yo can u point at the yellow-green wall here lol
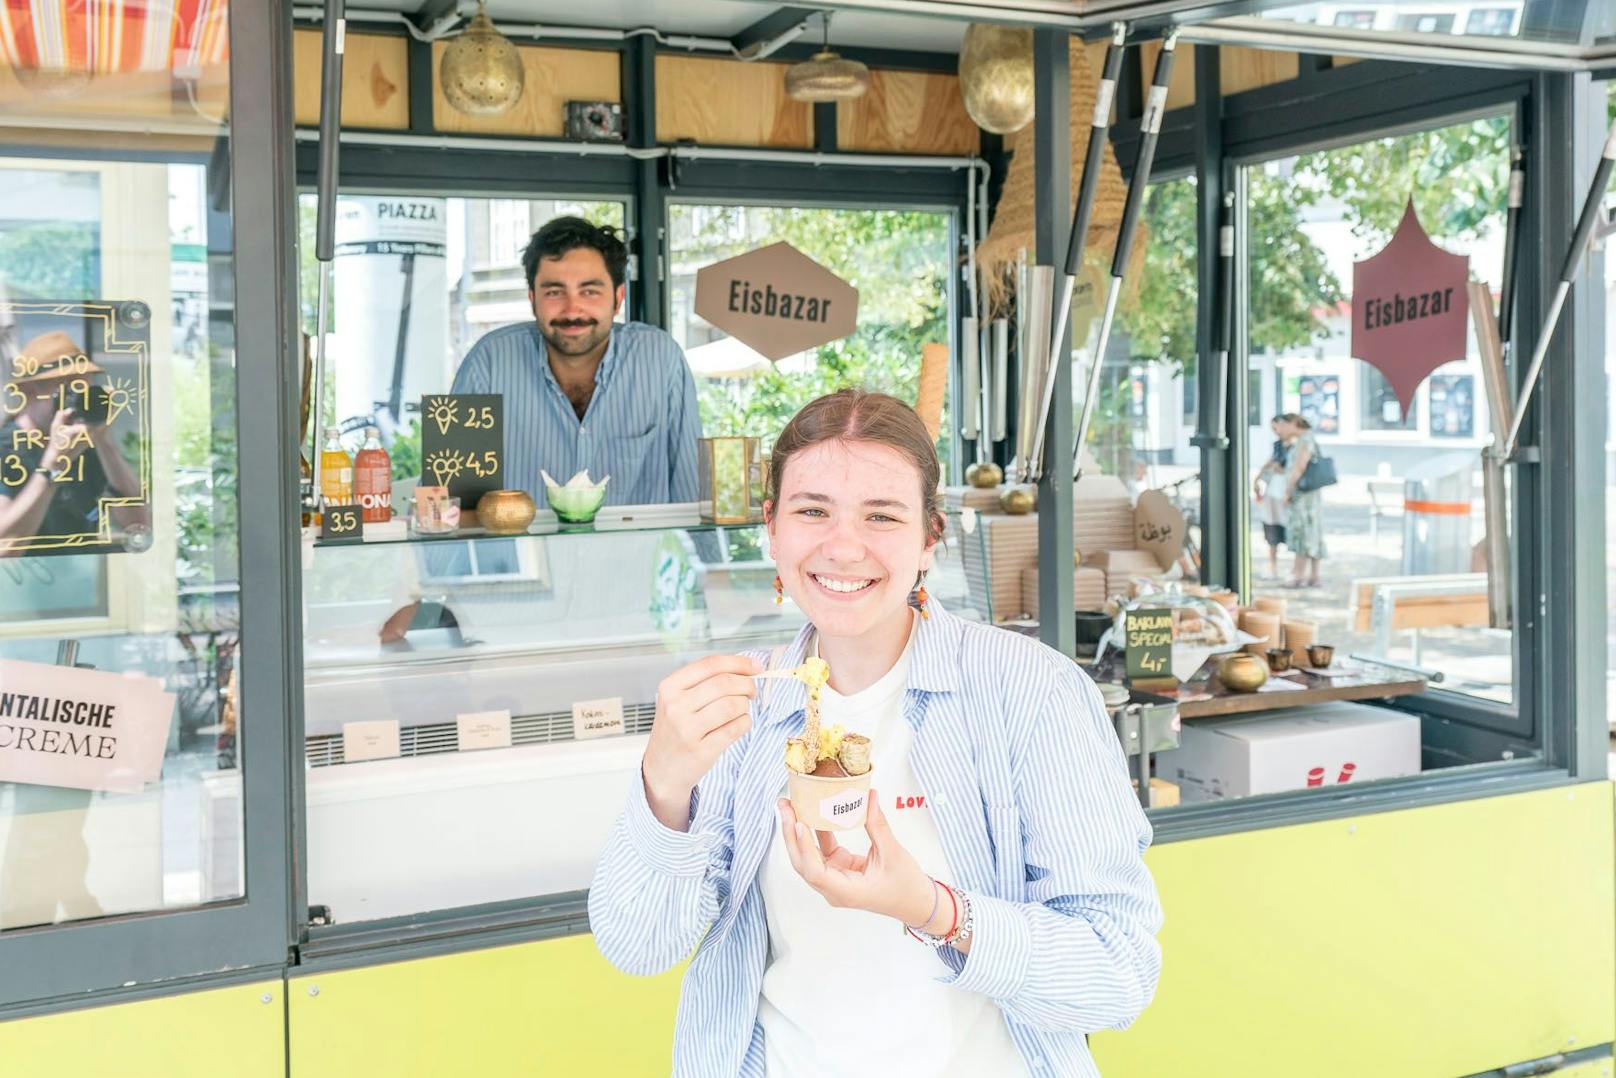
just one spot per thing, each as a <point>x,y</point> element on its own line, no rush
<point>1430,942</point>
<point>193,1035</point>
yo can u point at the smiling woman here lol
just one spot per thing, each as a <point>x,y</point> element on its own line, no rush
<point>992,975</point>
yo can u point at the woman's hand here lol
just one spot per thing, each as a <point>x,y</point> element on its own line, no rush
<point>701,710</point>
<point>887,880</point>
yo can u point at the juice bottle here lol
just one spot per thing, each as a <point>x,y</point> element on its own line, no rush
<point>336,471</point>
<point>373,480</point>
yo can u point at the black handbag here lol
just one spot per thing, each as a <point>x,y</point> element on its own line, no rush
<point>1319,473</point>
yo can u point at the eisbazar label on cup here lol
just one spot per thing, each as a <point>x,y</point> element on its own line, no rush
<point>845,807</point>
<point>82,729</point>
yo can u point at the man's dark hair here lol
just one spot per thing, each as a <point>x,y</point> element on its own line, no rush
<point>565,234</point>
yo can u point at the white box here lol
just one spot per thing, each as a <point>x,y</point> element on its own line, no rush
<point>1293,749</point>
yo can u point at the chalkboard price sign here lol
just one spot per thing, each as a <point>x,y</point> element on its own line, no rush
<point>75,425</point>
<point>341,522</point>
<point>1148,643</point>
<point>463,444</point>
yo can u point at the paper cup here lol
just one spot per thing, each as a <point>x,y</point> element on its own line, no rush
<point>826,804</point>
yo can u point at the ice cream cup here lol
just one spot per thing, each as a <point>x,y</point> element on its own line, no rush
<point>831,804</point>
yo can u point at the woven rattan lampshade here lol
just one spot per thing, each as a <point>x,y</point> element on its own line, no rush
<point>1012,229</point>
<point>481,71</point>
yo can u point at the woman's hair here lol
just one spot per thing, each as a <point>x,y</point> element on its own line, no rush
<point>1292,417</point>
<point>1280,418</point>
<point>855,415</point>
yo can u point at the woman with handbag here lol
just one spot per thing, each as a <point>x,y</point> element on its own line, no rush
<point>1309,472</point>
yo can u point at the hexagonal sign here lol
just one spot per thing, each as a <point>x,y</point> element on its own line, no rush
<point>776,300</point>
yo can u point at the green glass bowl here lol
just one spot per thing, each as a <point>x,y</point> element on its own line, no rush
<point>576,505</point>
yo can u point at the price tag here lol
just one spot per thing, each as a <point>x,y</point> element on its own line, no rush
<point>484,730</point>
<point>1148,642</point>
<point>597,718</point>
<point>341,522</point>
<point>463,444</point>
<point>376,739</point>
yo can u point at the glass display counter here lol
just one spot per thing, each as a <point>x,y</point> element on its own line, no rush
<point>475,708</point>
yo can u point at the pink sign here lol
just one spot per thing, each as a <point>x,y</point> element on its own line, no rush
<point>1410,308</point>
<point>85,729</point>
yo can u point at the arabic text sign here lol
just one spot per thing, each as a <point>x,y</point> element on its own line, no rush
<point>1409,306</point>
<point>776,301</point>
<point>85,729</point>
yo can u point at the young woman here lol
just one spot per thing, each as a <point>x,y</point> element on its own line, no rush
<point>1269,490</point>
<point>996,907</point>
<point>1304,522</point>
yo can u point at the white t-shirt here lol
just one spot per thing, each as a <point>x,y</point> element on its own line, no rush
<point>848,992</point>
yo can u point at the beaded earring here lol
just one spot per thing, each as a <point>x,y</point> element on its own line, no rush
<point>779,590</point>
<point>921,597</point>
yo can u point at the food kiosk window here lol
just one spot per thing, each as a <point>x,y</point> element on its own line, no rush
<point>907,253</point>
<point>1399,531</point>
<point>417,280</point>
<point>120,608</point>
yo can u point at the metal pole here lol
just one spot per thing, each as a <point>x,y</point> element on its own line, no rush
<point>1215,429</point>
<point>1150,132</point>
<point>1592,212</point>
<point>333,38</point>
<point>1082,214</point>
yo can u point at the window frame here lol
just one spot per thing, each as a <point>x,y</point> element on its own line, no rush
<point>242,939</point>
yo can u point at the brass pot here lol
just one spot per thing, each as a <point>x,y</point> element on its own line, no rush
<point>1242,672</point>
<point>984,475</point>
<point>1018,501</point>
<point>505,512</point>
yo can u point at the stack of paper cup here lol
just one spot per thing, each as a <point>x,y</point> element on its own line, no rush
<point>1264,626</point>
<point>1270,605</point>
<point>1298,635</point>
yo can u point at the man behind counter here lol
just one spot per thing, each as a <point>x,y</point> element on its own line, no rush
<point>581,392</point>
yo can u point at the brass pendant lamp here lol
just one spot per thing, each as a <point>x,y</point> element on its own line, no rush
<point>481,71</point>
<point>827,76</point>
<point>995,74</point>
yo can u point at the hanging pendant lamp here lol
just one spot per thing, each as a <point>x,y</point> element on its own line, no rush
<point>827,76</point>
<point>481,71</point>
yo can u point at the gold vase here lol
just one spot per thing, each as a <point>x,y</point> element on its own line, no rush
<point>505,512</point>
<point>1242,672</point>
<point>1018,501</point>
<point>984,475</point>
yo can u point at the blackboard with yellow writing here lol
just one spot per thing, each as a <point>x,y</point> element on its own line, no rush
<point>463,444</point>
<point>75,427</point>
<point>1148,642</point>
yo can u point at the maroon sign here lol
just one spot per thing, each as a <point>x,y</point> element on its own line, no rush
<point>1409,308</point>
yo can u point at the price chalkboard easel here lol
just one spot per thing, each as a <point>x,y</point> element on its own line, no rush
<point>1148,646</point>
<point>463,444</point>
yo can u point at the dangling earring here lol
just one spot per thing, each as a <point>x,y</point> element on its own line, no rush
<point>921,597</point>
<point>779,590</point>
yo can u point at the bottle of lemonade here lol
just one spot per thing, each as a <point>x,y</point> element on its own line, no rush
<point>373,480</point>
<point>336,471</point>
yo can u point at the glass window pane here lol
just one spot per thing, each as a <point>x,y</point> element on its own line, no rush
<point>120,785</point>
<point>1147,410</point>
<point>1405,521</point>
<point>899,260</point>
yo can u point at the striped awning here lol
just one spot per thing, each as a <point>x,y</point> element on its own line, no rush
<point>110,36</point>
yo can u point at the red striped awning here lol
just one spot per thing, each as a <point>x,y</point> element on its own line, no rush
<point>109,36</point>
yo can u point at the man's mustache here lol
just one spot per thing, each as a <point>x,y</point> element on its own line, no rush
<point>575,323</point>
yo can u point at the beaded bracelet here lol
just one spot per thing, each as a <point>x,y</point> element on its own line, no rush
<point>960,927</point>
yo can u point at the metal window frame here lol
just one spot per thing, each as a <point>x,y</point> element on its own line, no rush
<point>117,957</point>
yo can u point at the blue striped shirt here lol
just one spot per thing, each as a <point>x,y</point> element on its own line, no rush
<point>1014,750</point>
<point>640,427</point>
